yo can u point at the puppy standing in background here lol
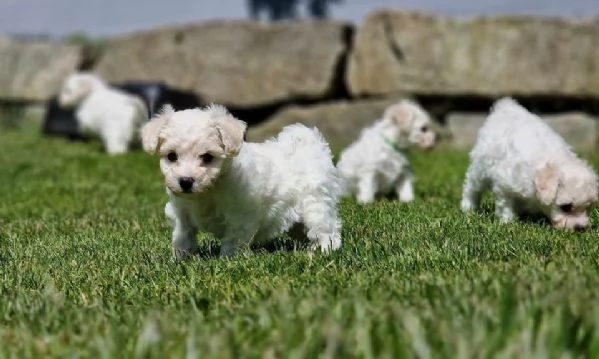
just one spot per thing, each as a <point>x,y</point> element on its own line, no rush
<point>529,168</point>
<point>375,164</point>
<point>242,192</point>
<point>112,114</point>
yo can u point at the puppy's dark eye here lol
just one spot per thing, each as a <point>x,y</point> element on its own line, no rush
<point>206,158</point>
<point>423,128</point>
<point>172,156</point>
<point>566,207</point>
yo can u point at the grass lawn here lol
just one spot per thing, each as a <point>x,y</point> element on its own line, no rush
<point>86,271</point>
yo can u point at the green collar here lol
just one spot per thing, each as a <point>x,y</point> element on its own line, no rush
<point>392,145</point>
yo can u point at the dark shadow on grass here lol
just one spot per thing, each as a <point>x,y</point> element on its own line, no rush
<point>488,208</point>
<point>209,250</point>
<point>292,241</point>
<point>391,196</point>
<point>488,211</point>
<point>534,218</point>
<point>281,244</point>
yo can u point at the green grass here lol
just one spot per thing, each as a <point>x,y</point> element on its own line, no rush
<point>86,271</point>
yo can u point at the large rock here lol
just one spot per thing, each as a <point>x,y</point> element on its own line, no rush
<point>339,122</point>
<point>578,129</point>
<point>463,128</point>
<point>405,52</point>
<point>34,71</point>
<point>237,63</point>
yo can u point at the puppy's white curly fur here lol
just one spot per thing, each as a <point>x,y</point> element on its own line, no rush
<point>529,168</point>
<point>375,164</point>
<point>243,192</point>
<point>113,115</point>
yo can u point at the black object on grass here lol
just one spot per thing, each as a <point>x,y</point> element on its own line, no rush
<point>62,122</point>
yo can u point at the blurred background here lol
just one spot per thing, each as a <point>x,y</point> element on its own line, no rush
<point>335,64</point>
<point>112,17</point>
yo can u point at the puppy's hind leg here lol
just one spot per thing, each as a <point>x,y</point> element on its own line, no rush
<point>115,148</point>
<point>115,144</point>
<point>474,184</point>
<point>504,206</point>
<point>117,136</point>
<point>405,188</point>
<point>322,223</point>
<point>366,188</point>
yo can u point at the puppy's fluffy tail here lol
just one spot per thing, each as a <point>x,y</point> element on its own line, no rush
<point>142,112</point>
<point>506,104</point>
<point>298,136</point>
<point>311,156</point>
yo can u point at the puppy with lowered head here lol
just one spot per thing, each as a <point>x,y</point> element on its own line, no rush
<point>529,168</point>
<point>113,115</point>
<point>242,192</point>
<point>375,164</point>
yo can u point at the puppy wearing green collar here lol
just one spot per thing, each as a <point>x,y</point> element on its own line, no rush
<point>376,163</point>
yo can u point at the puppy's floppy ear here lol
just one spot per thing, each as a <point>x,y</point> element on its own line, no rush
<point>401,114</point>
<point>546,181</point>
<point>150,132</point>
<point>231,131</point>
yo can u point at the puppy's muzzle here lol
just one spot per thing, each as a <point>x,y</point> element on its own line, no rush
<point>186,184</point>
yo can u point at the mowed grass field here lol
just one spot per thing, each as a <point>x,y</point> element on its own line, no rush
<point>86,271</point>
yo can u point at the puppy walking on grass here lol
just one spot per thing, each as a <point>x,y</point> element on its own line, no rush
<point>529,168</point>
<point>112,114</point>
<point>242,192</point>
<point>375,163</point>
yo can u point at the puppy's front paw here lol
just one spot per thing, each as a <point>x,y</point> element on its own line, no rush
<point>328,244</point>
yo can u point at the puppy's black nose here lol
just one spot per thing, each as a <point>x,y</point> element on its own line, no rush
<point>186,183</point>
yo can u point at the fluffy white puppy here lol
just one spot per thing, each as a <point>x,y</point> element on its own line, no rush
<point>529,168</point>
<point>375,164</point>
<point>113,115</point>
<point>243,192</point>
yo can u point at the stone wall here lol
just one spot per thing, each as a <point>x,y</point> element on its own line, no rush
<point>340,77</point>
<point>491,56</point>
<point>236,63</point>
<point>33,71</point>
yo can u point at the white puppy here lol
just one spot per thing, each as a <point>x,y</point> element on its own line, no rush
<point>529,168</point>
<point>110,113</point>
<point>375,164</point>
<point>243,192</point>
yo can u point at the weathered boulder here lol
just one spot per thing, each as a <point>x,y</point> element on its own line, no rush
<point>34,71</point>
<point>578,129</point>
<point>339,122</point>
<point>463,128</point>
<point>237,63</point>
<point>414,53</point>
